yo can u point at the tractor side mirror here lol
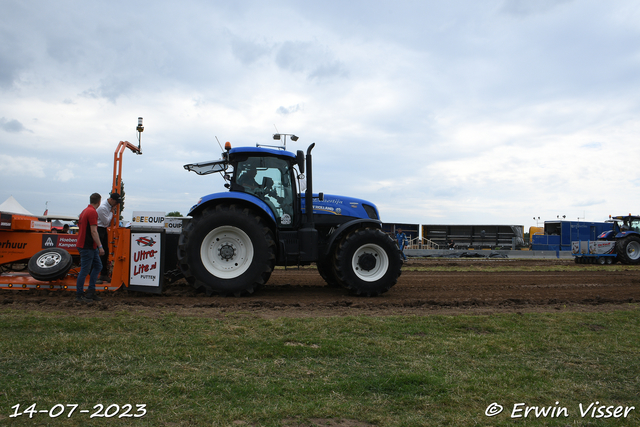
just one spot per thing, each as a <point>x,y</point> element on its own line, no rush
<point>300,160</point>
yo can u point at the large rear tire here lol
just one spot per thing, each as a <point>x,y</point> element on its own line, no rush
<point>368,262</point>
<point>227,250</point>
<point>50,264</point>
<point>628,250</point>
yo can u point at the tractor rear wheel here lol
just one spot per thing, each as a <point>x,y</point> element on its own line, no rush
<point>628,249</point>
<point>227,250</point>
<point>368,262</point>
<point>50,264</point>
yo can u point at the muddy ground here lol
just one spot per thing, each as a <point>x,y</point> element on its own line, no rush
<point>302,293</point>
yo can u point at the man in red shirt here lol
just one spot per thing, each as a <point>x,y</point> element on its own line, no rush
<point>90,250</point>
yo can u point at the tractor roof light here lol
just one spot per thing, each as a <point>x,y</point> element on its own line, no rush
<point>227,146</point>
<point>281,137</point>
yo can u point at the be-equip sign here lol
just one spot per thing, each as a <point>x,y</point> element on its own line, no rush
<point>173,225</point>
<point>146,255</point>
<point>148,219</point>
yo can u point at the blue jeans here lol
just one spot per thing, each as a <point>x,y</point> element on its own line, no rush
<point>89,261</point>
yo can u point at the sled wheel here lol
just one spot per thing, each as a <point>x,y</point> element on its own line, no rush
<point>628,250</point>
<point>50,264</point>
<point>368,262</point>
<point>227,250</point>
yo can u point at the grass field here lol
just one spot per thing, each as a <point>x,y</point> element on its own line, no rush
<point>351,371</point>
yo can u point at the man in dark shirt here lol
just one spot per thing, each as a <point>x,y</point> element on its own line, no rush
<point>90,250</point>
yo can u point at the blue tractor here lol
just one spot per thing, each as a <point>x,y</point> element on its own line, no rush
<point>235,238</point>
<point>626,234</point>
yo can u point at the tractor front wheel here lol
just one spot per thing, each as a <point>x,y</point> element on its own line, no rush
<point>628,249</point>
<point>328,273</point>
<point>368,262</point>
<point>227,250</point>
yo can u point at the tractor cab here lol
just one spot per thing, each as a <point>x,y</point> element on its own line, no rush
<point>269,178</point>
<point>622,226</point>
<point>264,173</point>
<point>630,223</point>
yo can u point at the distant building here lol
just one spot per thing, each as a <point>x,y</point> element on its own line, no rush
<point>475,236</point>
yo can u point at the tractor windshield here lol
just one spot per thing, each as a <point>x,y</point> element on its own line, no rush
<point>269,178</point>
<point>633,224</point>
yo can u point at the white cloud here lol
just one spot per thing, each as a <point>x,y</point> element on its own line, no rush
<point>14,167</point>
<point>13,125</point>
<point>64,175</point>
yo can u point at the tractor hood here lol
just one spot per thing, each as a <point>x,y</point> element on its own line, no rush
<point>344,206</point>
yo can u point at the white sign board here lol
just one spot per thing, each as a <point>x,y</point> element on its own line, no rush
<point>602,247</point>
<point>594,247</point>
<point>147,219</point>
<point>172,225</point>
<point>146,251</point>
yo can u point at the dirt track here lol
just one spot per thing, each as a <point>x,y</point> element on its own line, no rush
<point>302,293</point>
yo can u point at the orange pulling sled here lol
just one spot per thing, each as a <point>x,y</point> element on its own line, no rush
<point>49,256</point>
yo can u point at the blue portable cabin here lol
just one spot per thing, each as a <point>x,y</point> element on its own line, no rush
<point>558,235</point>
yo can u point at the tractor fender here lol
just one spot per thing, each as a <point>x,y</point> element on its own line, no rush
<point>356,223</point>
<point>231,197</point>
<point>624,234</point>
<point>606,235</point>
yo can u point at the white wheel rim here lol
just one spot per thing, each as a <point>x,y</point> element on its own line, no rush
<point>368,273</point>
<point>633,250</point>
<point>226,252</point>
<point>49,260</point>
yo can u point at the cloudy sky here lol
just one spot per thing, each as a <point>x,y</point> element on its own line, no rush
<point>460,112</point>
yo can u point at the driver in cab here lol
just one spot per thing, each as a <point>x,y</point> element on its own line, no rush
<point>248,180</point>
